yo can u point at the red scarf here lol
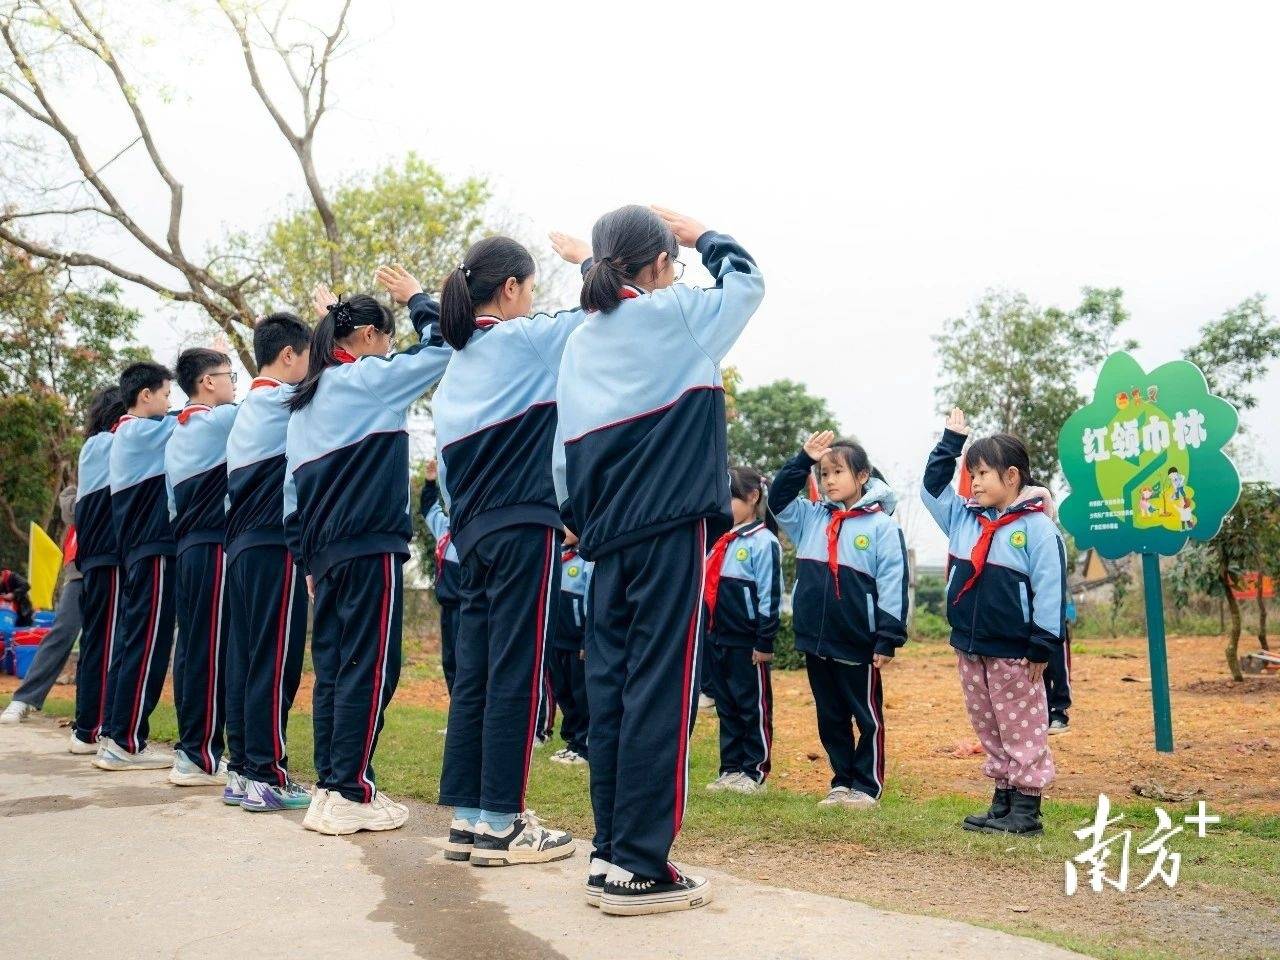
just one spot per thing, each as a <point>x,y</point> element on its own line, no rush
<point>264,382</point>
<point>191,410</point>
<point>834,523</point>
<point>983,547</point>
<point>627,293</point>
<point>715,565</point>
<point>342,356</point>
<point>568,555</point>
<point>127,416</point>
<point>441,546</point>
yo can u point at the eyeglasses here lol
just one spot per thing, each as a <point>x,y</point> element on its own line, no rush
<point>678,267</point>
<point>235,377</point>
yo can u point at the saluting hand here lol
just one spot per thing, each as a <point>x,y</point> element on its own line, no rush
<point>399,282</point>
<point>569,247</point>
<point>686,229</point>
<point>956,422</point>
<point>819,444</point>
<point>432,470</point>
<point>322,299</point>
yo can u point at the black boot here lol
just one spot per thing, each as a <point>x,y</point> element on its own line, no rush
<point>1000,803</point>
<point>1023,817</point>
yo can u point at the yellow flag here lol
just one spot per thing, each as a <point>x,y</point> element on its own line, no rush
<point>43,562</point>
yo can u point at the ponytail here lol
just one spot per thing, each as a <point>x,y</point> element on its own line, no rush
<point>744,481</point>
<point>624,242</point>
<point>344,316</point>
<point>488,265</point>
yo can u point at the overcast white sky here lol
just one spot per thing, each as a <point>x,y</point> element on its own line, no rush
<point>885,164</point>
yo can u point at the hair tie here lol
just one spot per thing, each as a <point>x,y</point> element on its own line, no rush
<point>466,272</point>
<point>343,323</point>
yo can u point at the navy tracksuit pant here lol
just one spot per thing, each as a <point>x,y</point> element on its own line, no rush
<point>642,689</point>
<point>569,684</point>
<point>269,622</point>
<point>355,649</point>
<point>1057,680</point>
<point>449,613</point>
<point>743,692</point>
<point>144,640</point>
<point>99,612</point>
<point>199,657</point>
<point>847,693</point>
<point>508,586</point>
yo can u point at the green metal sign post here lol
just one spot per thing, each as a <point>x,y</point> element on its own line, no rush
<point>1145,464</point>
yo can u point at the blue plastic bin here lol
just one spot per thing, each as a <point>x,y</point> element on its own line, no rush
<point>22,657</point>
<point>43,618</point>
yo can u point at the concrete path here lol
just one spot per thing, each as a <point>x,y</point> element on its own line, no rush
<point>122,866</point>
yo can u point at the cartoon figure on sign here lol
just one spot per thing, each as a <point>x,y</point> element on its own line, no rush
<point>1152,393</point>
<point>1145,504</point>
<point>1185,514</point>
<point>1137,397</point>
<point>1178,483</point>
<point>1122,399</point>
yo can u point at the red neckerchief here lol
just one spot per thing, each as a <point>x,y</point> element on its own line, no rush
<point>628,293</point>
<point>127,416</point>
<point>342,356</point>
<point>265,382</point>
<point>568,555</point>
<point>484,322</point>
<point>715,565</point>
<point>190,410</point>
<point>834,523</point>
<point>980,549</point>
<point>441,546</point>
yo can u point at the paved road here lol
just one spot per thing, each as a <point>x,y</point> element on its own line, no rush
<point>122,866</point>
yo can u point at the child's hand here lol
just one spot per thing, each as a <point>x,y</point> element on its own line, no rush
<point>955,422</point>
<point>758,657</point>
<point>311,587</point>
<point>398,282</point>
<point>686,229</point>
<point>322,299</point>
<point>881,660</point>
<point>432,470</point>
<point>1035,671</point>
<point>819,444</point>
<point>568,247</point>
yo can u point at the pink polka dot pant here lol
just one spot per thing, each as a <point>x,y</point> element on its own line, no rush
<point>1010,715</point>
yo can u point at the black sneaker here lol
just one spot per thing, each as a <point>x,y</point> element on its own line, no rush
<point>1001,801</point>
<point>1058,725</point>
<point>594,885</point>
<point>1023,817</point>
<point>638,896</point>
<point>461,841</point>
<point>527,841</point>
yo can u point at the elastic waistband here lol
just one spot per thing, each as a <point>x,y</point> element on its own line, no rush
<point>260,537</point>
<point>371,544</point>
<point>518,514</point>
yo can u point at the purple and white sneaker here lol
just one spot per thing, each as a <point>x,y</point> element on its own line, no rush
<point>266,797</point>
<point>234,792</point>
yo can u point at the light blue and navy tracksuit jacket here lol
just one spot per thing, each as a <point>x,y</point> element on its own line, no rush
<point>575,582</point>
<point>1016,606</point>
<point>747,591</point>
<point>96,544</point>
<point>447,564</point>
<point>98,558</point>
<point>255,468</point>
<point>139,491</point>
<point>851,603</point>
<point>195,460</point>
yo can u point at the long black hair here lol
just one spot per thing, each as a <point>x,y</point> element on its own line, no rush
<point>624,242</point>
<point>1000,451</point>
<point>489,264</point>
<point>854,456</point>
<point>344,316</point>
<point>105,408</point>
<point>743,482</point>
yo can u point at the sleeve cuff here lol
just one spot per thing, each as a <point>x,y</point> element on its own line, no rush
<point>954,441</point>
<point>887,648</point>
<point>764,646</point>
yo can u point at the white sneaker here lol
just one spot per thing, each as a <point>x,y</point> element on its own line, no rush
<point>594,885</point>
<point>341,816</point>
<point>836,796</point>
<point>860,801</point>
<point>186,773</point>
<point>16,712</point>
<point>722,782</point>
<point>569,757</point>
<point>630,896</point>
<point>745,784</point>
<point>76,745</point>
<point>526,841</point>
<point>319,797</point>
<point>114,757</point>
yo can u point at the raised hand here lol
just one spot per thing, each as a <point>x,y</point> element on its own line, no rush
<point>819,444</point>
<point>686,229</point>
<point>322,299</point>
<point>956,423</point>
<point>432,470</point>
<point>398,282</point>
<point>569,247</point>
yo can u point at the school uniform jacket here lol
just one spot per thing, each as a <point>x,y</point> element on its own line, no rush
<point>95,526</point>
<point>495,416</point>
<point>641,444</point>
<point>448,570</point>
<point>868,616</point>
<point>750,591</point>
<point>1017,608</point>
<point>255,468</point>
<point>346,486</point>
<point>195,463</point>
<point>575,582</point>
<point>139,496</point>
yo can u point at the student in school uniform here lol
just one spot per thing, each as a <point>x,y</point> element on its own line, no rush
<point>448,573</point>
<point>743,593</point>
<point>196,467</point>
<point>849,606</point>
<point>1057,677</point>
<point>642,476</point>
<point>567,666</point>
<point>145,543</point>
<point>495,418</point>
<point>1006,603</point>
<point>267,606</point>
<point>346,520</point>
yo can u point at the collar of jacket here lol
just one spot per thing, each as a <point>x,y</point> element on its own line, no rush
<point>190,410</point>
<point>265,382</point>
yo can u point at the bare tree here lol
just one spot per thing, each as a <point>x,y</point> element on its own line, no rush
<point>43,38</point>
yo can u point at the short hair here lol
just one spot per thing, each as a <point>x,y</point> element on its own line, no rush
<point>143,375</point>
<point>195,363</point>
<point>276,331</point>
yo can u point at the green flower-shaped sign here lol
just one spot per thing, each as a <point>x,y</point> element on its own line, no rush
<point>1144,460</point>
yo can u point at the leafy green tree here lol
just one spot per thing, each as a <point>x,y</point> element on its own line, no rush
<point>1012,365</point>
<point>771,421</point>
<point>1235,350</point>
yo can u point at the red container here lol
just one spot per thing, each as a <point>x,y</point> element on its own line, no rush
<point>30,637</point>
